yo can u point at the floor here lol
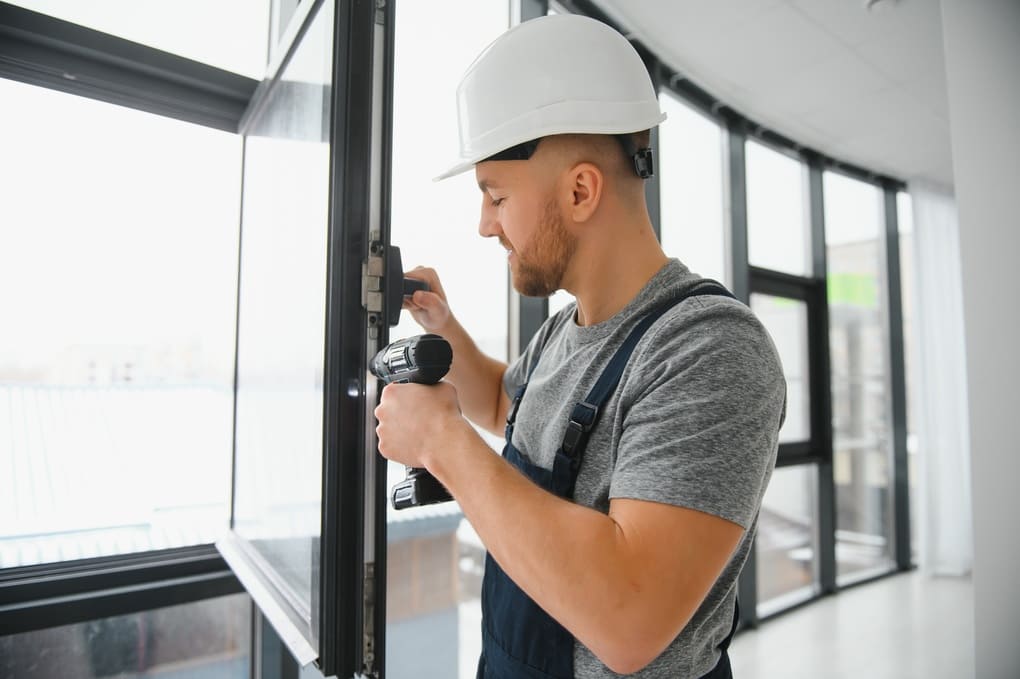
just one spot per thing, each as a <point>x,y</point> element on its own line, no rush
<point>904,626</point>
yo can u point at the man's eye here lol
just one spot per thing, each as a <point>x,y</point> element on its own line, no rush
<point>496,202</point>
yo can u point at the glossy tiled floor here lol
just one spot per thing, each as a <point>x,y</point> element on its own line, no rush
<point>901,627</point>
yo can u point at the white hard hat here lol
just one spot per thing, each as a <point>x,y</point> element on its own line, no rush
<point>558,74</point>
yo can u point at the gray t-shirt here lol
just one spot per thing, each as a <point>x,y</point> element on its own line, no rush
<point>694,423</point>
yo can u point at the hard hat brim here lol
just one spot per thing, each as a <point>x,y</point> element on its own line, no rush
<point>459,168</point>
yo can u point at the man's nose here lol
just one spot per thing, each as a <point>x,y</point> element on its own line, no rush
<point>488,225</point>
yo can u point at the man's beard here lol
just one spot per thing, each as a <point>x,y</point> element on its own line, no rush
<point>539,271</point>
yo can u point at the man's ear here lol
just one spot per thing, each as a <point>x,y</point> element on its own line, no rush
<point>586,185</point>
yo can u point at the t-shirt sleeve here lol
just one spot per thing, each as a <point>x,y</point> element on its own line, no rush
<point>517,372</point>
<point>702,407</point>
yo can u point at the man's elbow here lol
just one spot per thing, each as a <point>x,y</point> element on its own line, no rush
<point>628,658</point>
<point>632,652</point>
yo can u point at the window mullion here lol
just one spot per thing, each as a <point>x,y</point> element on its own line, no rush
<point>897,375</point>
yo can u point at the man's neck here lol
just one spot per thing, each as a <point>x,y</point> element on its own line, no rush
<point>610,273</point>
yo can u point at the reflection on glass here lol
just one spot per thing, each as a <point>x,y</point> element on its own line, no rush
<point>194,29</point>
<point>118,272</point>
<point>281,323</point>
<point>858,344</point>
<point>208,639</point>
<point>281,14</point>
<point>786,321</point>
<point>787,541</point>
<point>778,228</point>
<point>433,581</point>
<point>691,189</point>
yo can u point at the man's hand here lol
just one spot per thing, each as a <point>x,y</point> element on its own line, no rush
<point>478,378</point>
<point>429,309</point>
<point>416,421</point>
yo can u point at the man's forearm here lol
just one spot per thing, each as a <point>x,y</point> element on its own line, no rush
<point>572,560</point>
<point>478,379</point>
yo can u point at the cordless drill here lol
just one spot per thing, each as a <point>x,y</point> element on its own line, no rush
<point>422,359</point>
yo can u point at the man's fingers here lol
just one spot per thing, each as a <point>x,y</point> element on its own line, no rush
<point>420,273</point>
<point>429,303</point>
<point>429,275</point>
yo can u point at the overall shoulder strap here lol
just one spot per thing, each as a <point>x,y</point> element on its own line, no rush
<point>586,413</point>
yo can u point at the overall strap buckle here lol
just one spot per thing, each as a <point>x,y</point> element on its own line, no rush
<point>582,419</point>
<point>585,414</point>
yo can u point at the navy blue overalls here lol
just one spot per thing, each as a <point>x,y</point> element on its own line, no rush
<point>519,639</point>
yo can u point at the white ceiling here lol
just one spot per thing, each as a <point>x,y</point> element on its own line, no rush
<point>865,86</point>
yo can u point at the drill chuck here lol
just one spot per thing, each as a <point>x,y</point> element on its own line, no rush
<point>422,359</point>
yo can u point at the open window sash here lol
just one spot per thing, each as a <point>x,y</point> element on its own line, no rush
<point>307,532</point>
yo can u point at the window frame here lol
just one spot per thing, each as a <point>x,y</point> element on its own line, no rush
<point>53,594</point>
<point>810,291</point>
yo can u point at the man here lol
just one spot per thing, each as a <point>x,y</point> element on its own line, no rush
<point>623,507</point>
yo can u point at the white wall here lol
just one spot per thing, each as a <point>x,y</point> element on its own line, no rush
<point>982,51</point>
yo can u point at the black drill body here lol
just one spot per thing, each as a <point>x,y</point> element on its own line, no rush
<point>422,359</point>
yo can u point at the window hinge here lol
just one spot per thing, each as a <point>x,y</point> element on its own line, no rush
<point>368,643</point>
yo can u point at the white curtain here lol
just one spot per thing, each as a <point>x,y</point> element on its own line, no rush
<point>945,540</point>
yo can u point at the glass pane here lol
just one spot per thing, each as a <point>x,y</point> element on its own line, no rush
<point>229,34</point>
<point>691,189</point>
<point>435,560</point>
<point>281,328</point>
<point>207,639</point>
<point>787,540</point>
<point>118,262</point>
<point>858,345</point>
<point>778,228</point>
<point>787,323</point>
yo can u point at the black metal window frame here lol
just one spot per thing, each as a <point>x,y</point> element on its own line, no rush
<point>527,315</point>
<point>54,594</point>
